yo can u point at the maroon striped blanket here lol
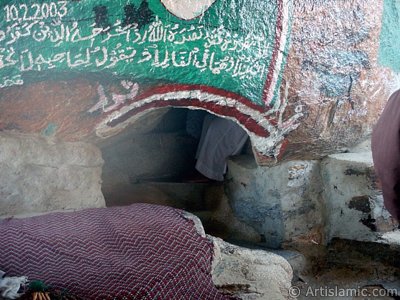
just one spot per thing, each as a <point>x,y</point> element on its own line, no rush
<point>135,252</point>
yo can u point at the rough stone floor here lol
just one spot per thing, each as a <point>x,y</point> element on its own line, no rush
<point>350,270</point>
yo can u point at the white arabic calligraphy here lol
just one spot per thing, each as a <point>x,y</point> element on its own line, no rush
<point>117,99</point>
<point>161,45</point>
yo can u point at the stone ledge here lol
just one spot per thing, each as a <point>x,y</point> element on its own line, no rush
<point>392,238</point>
<point>353,200</point>
<point>39,175</point>
<point>359,157</point>
<point>280,202</point>
<point>16,149</point>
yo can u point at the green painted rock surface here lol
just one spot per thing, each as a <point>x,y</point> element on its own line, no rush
<point>220,46</point>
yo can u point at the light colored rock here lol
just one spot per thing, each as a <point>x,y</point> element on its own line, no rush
<point>41,175</point>
<point>311,201</point>
<point>281,202</point>
<point>392,238</point>
<point>246,273</point>
<point>252,274</point>
<point>197,223</point>
<point>364,146</point>
<point>354,203</point>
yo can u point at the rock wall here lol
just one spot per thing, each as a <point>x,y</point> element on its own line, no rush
<point>40,175</point>
<point>311,202</point>
<point>354,203</point>
<point>280,202</point>
<point>304,78</point>
<point>335,74</point>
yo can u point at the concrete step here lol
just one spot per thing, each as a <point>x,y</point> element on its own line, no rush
<point>187,196</point>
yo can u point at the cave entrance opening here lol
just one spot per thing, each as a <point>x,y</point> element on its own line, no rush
<point>153,160</point>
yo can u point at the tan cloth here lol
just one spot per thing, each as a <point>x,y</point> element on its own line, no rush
<point>386,153</point>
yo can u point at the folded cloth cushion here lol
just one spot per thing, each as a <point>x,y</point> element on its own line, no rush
<point>135,252</point>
